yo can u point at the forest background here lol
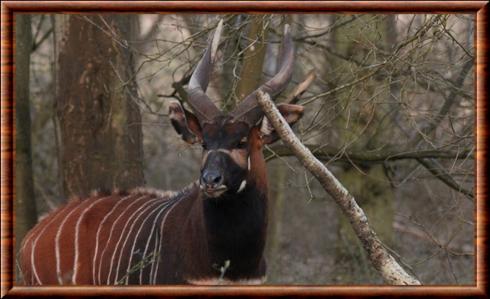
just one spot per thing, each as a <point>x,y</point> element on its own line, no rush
<point>389,108</point>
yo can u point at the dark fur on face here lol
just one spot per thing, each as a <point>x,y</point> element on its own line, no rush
<point>226,147</point>
<point>225,155</point>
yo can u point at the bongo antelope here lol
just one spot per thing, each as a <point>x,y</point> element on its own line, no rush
<point>212,231</point>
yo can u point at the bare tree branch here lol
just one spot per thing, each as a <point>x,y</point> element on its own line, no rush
<point>439,172</point>
<point>327,153</point>
<point>448,103</point>
<point>381,259</point>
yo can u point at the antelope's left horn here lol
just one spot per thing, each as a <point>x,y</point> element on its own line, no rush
<point>203,107</point>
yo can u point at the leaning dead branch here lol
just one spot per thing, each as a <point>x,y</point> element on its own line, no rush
<point>382,261</point>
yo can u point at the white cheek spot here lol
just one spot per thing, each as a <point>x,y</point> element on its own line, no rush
<point>242,186</point>
<point>204,158</point>
<point>225,151</point>
<point>248,163</point>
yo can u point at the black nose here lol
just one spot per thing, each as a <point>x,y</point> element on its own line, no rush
<point>212,178</point>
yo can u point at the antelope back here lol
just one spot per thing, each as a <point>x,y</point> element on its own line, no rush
<point>107,239</point>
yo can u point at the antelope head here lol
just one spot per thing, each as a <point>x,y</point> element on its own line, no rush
<point>232,143</point>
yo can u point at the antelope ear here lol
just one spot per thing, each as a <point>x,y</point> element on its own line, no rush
<point>292,113</point>
<point>185,123</point>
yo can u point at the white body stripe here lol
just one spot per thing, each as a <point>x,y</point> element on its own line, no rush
<point>128,234</point>
<point>110,235</point>
<point>158,239</point>
<point>57,245</point>
<point>170,204</point>
<point>126,223</point>
<point>155,264</point>
<point>34,244</point>
<point>158,211</point>
<point>77,235</point>
<point>132,225</point>
<point>99,229</point>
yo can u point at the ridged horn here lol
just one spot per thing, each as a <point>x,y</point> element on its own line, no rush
<point>201,104</point>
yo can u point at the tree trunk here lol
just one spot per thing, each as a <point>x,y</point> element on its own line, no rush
<point>25,203</point>
<point>253,58</point>
<point>228,81</point>
<point>100,121</point>
<point>373,193</point>
<point>368,184</point>
<point>277,190</point>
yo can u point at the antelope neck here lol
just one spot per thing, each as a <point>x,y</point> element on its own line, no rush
<point>235,227</point>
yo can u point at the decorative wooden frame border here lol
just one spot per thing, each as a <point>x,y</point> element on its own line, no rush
<point>9,8</point>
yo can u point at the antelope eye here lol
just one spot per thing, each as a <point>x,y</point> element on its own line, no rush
<point>243,142</point>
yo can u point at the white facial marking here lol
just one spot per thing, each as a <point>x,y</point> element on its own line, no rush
<point>242,186</point>
<point>221,150</point>
<point>248,165</point>
<point>205,158</point>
